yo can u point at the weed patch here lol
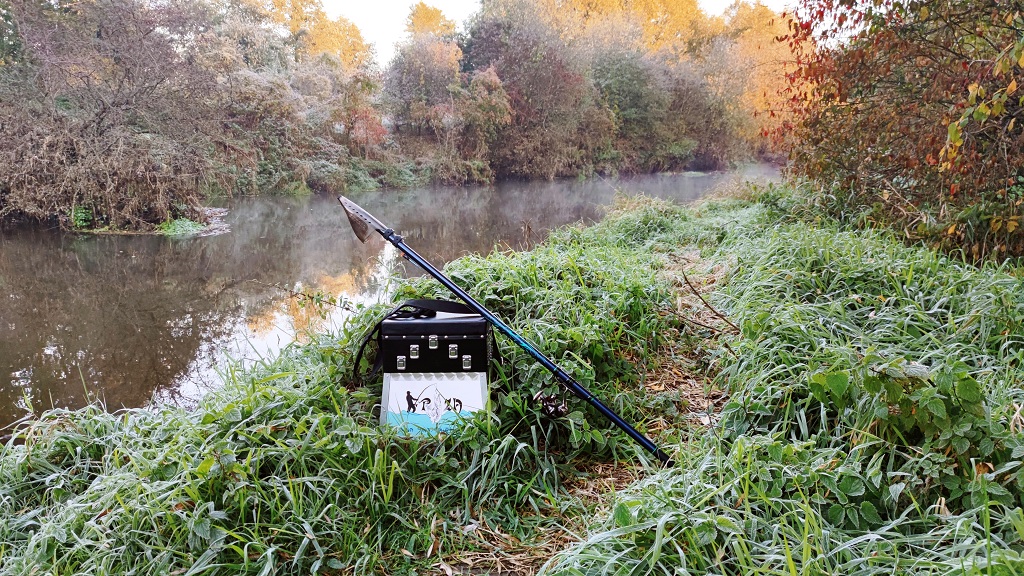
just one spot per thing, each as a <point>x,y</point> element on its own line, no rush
<point>852,338</point>
<point>871,425</point>
<point>180,227</point>
<point>286,471</point>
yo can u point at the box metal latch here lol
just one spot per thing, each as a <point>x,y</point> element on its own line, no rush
<point>432,342</point>
<point>453,351</point>
<point>467,362</point>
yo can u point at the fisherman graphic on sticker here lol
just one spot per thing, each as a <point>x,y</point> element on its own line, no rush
<point>410,400</point>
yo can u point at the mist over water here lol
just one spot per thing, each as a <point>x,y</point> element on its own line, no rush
<point>130,320</point>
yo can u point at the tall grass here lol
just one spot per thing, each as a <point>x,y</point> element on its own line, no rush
<point>752,508</point>
<point>912,358</point>
<point>874,423</point>
<point>874,426</point>
<point>285,471</point>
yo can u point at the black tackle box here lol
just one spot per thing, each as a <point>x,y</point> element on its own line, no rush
<point>445,342</point>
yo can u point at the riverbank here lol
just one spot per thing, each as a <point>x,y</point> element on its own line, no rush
<point>871,424</point>
<point>130,319</point>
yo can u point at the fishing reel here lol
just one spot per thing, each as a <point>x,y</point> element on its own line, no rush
<point>551,405</point>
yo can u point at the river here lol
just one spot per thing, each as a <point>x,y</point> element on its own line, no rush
<point>133,320</point>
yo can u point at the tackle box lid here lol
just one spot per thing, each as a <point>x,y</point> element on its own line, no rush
<point>443,324</point>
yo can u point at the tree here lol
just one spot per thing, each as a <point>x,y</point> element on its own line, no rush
<point>669,26</point>
<point>762,63</point>
<point>313,33</point>
<point>424,19</point>
<point>289,122</point>
<point>107,118</point>
<point>548,92</point>
<point>910,109</point>
<point>10,44</point>
<point>339,38</point>
<point>417,80</point>
<point>483,110</point>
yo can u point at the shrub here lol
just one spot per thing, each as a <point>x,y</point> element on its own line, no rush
<point>903,355</point>
<point>908,110</point>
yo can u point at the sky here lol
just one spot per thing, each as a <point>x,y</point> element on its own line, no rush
<point>382,22</point>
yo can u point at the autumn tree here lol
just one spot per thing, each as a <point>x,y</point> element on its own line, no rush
<point>761,64</point>
<point>669,26</point>
<point>636,92</point>
<point>417,81</point>
<point>289,122</point>
<point>910,110</point>
<point>548,91</point>
<point>424,19</point>
<point>106,120</point>
<point>483,110</point>
<point>313,33</point>
<point>339,38</point>
<point>126,114</point>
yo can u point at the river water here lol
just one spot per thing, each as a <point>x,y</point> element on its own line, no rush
<point>132,320</point>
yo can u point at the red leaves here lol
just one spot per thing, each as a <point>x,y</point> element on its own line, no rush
<point>893,107</point>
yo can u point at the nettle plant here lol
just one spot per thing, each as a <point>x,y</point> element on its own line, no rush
<point>925,430</point>
<point>908,361</point>
<point>912,436</point>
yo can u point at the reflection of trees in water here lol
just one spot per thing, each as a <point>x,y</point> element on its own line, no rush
<point>110,315</point>
<point>127,317</point>
<point>305,315</point>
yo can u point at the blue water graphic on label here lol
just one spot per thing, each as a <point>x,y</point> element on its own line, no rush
<point>422,425</point>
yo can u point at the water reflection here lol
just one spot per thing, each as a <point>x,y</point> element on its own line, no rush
<point>129,319</point>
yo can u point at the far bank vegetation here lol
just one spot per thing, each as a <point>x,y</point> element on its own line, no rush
<point>128,113</point>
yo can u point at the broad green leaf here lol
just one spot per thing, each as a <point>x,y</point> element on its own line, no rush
<point>986,446</point>
<point>623,517</point>
<point>936,407</point>
<point>968,390</point>
<point>817,387</point>
<point>835,514</point>
<point>870,513</point>
<point>838,383</point>
<point>852,486</point>
<point>982,112</point>
<point>206,465</point>
<point>896,489</point>
<point>954,134</point>
<point>726,524</point>
<point>872,384</point>
<point>961,444</point>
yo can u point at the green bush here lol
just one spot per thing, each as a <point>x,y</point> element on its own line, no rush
<point>910,359</point>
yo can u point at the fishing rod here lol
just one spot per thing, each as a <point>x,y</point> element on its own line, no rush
<point>363,223</point>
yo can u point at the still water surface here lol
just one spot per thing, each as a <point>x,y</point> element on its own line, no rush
<point>132,320</point>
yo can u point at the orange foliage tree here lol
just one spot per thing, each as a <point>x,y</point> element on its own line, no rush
<point>425,19</point>
<point>313,33</point>
<point>763,63</point>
